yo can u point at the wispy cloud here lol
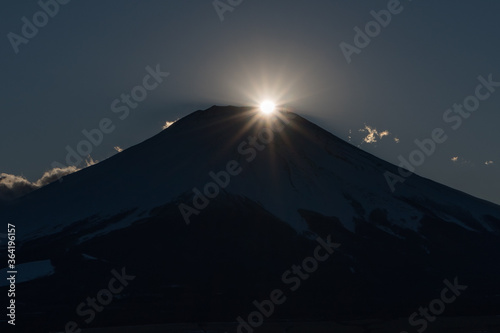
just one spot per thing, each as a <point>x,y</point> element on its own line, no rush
<point>168,124</point>
<point>462,162</point>
<point>55,174</point>
<point>373,134</point>
<point>384,133</point>
<point>89,161</point>
<point>13,187</point>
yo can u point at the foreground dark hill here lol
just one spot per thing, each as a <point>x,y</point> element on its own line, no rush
<point>272,198</point>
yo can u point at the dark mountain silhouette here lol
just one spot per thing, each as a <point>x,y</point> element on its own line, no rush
<point>277,184</point>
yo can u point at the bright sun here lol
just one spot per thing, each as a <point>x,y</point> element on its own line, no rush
<point>267,107</point>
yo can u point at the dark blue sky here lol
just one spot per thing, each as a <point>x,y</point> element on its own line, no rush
<point>65,78</point>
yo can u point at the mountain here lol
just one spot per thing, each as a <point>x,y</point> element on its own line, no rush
<point>213,213</point>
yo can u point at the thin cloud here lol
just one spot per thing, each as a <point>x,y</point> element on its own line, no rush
<point>373,134</point>
<point>384,133</point>
<point>54,174</point>
<point>89,161</point>
<point>13,187</point>
<point>489,162</point>
<point>396,140</point>
<point>168,124</point>
<point>462,162</point>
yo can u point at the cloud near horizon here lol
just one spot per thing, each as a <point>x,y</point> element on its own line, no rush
<point>13,187</point>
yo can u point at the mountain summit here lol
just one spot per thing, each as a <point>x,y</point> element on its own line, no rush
<point>285,164</point>
<point>210,213</point>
